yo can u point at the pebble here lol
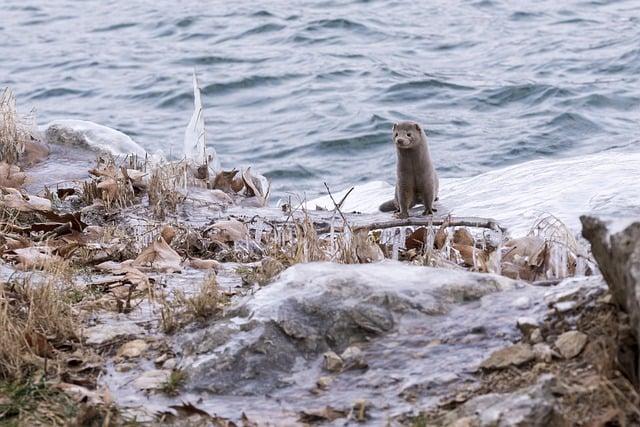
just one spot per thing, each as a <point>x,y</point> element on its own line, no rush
<point>332,362</point>
<point>571,343</point>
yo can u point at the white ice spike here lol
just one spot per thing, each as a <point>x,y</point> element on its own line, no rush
<point>195,145</point>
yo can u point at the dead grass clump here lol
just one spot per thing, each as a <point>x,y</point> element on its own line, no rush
<point>182,309</point>
<point>112,184</point>
<point>14,130</point>
<point>164,188</point>
<point>34,318</point>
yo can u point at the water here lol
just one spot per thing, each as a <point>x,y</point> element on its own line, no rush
<point>306,92</point>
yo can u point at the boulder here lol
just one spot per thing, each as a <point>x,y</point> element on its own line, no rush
<point>615,245</point>
<point>530,407</point>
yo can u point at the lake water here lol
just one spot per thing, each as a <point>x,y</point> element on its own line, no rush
<point>307,91</point>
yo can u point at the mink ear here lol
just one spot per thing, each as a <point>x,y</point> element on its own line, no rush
<point>417,127</point>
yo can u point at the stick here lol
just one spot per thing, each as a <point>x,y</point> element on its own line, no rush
<point>429,221</point>
<point>337,205</point>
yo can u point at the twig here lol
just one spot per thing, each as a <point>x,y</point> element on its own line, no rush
<point>337,205</point>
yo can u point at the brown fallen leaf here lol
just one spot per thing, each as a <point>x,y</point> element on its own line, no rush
<point>11,176</point>
<point>253,187</point>
<point>109,189</point>
<point>136,177</point>
<point>168,233</point>
<point>33,257</point>
<point>441,238</point>
<point>158,256</point>
<point>524,258</point>
<point>63,193</point>
<point>203,264</point>
<point>319,415</point>
<point>230,230</point>
<point>463,236</point>
<point>73,218</point>
<point>13,199</point>
<point>416,239</point>
<point>223,180</point>
<point>473,257</point>
<point>34,152</point>
<point>39,344</point>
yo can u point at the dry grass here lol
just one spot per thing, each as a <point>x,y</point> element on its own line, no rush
<point>14,130</point>
<point>34,318</point>
<point>182,309</point>
<point>165,187</point>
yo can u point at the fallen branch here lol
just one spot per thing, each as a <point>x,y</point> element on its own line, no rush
<point>428,221</point>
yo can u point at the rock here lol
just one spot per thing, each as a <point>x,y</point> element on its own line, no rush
<point>565,306</point>
<point>332,362</point>
<point>170,364</point>
<point>464,422</point>
<point>152,379</point>
<point>522,303</point>
<point>536,336</point>
<point>106,332</point>
<point>359,409</point>
<point>132,349</point>
<point>527,325</point>
<point>515,355</point>
<point>270,338</point>
<point>615,245</point>
<point>530,407</point>
<point>571,343</point>
<point>323,383</point>
<point>353,358</point>
<point>544,353</point>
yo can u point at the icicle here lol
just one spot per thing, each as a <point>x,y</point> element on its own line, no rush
<point>581,266</point>
<point>396,245</point>
<point>259,230</point>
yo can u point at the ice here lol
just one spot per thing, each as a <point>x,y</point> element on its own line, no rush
<point>91,135</point>
<point>604,184</point>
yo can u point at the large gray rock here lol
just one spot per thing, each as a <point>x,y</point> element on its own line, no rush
<point>616,248</point>
<point>530,407</point>
<point>317,308</point>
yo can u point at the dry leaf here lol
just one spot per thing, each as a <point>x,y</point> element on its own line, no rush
<point>109,189</point>
<point>472,257</point>
<point>24,203</point>
<point>463,236</point>
<point>33,257</point>
<point>223,180</point>
<point>416,239</point>
<point>39,344</point>
<point>441,238</point>
<point>253,187</point>
<point>319,415</point>
<point>230,230</point>
<point>168,233</point>
<point>203,264</point>
<point>524,258</point>
<point>159,256</point>
<point>34,152</point>
<point>11,176</point>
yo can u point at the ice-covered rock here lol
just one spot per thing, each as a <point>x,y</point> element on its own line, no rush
<point>531,407</point>
<point>86,134</point>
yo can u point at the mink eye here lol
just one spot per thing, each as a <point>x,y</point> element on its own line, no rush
<point>408,134</point>
<point>396,134</point>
